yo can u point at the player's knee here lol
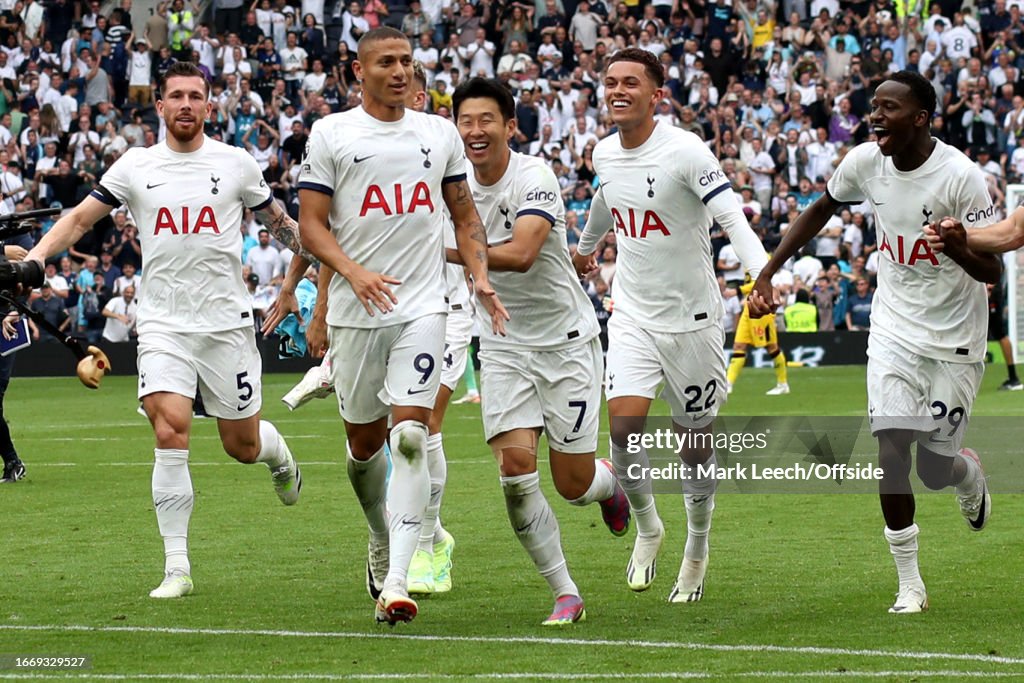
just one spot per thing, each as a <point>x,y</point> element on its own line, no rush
<point>894,455</point>
<point>409,440</point>
<point>573,483</point>
<point>935,471</point>
<point>515,452</point>
<point>622,428</point>
<point>242,449</point>
<point>170,435</point>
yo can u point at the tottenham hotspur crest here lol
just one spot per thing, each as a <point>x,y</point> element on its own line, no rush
<point>503,210</point>
<point>214,180</point>
<point>650,186</point>
<point>426,156</point>
<point>927,215</point>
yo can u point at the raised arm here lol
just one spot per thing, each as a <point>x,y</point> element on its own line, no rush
<point>803,230</point>
<point>69,229</point>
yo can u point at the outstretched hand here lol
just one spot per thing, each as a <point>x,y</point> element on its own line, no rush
<point>486,296</point>
<point>285,303</point>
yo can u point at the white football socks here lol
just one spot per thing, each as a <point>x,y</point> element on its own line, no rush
<point>173,500</point>
<point>273,449</point>
<point>408,496</point>
<point>368,479</point>
<point>970,479</point>
<point>602,486</point>
<point>638,491</point>
<point>537,530</point>
<point>438,469</point>
<point>699,499</point>
<point>903,546</point>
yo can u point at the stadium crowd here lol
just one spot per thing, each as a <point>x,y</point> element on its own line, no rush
<point>779,91</point>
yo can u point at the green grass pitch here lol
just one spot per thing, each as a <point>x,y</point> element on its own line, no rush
<point>797,588</point>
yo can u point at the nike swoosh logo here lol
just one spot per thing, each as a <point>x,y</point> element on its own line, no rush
<point>150,186</point>
<point>978,523</point>
<point>413,393</point>
<point>358,160</point>
<point>568,440</point>
<point>241,408</point>
<point>605,183</point>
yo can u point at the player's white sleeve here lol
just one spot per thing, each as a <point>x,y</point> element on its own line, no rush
<point>540,194</point>
<point>455,168</point>
<point>599,222</point>
<point>255,193</point>
<point>973,202</point>
<point>318,171</point>
<point>726,210</point>
<point>844,186</point>
<point>115,187</point>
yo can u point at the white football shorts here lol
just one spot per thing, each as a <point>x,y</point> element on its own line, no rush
<point>691,365</point>
<point>559,391</point>
<point>457,334</point>
<point>931,397</point>
<point>376,368</point>
<point>225,365</point>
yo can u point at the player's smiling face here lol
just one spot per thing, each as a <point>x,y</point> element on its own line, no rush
<point>184,107</point>
<point>386,71</point>
<point>894,117</point>
<point>484,133</point>
<point>629,93</point>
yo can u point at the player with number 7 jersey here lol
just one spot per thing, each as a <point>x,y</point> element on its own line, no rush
<point>544,375</point>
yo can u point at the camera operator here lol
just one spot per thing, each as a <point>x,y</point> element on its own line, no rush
<point>15,249</point>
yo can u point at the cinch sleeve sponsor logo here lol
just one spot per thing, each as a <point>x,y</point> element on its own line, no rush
<point>976,215</point>
<point>710,177</point>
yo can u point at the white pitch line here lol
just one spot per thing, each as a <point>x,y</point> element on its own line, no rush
<point>231,463</point>
<point>534,676</point>
<point>528,640</point>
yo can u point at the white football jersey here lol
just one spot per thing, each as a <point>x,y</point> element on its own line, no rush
<point>547,307</point>
<point>656,194</point>
<point>925,302</point>
<point>188,208</point>
<point>387,211</point>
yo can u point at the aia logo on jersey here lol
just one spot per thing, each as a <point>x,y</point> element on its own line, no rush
<point>919,251</point>
<point>392,201</point>
<point>632,223</point>
<point>182,223</point>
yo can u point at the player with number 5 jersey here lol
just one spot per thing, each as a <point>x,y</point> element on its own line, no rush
<point>195,323</point>
<point>661,188</point>
<point>371,190</point>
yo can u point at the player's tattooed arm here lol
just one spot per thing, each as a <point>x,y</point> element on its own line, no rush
<point>469,229</point>
<point>472,246</point>
<point>284,229</point>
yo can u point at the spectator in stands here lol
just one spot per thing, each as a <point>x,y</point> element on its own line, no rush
<point>858,306</point>
<point>51,307</point>
<point>120,312</point>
